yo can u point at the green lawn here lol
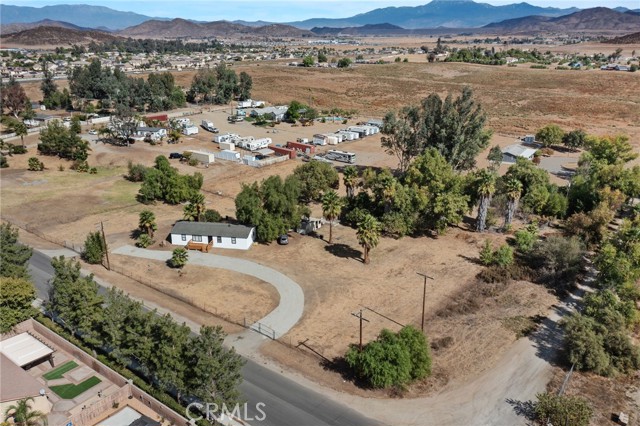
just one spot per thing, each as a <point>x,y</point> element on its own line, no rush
<point>59,372</point>
<point>70,391</point>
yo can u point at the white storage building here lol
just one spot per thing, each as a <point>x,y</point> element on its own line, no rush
<point>228,155</point>
<point>202,156</point>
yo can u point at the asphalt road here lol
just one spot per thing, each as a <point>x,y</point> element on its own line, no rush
<point>284,402</point>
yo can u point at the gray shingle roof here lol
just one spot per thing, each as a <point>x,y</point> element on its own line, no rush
<point>211,229</point>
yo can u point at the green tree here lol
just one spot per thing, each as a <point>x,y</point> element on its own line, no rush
<point>35,165</point>
<point>485,186</point>
<point>21,414</point>
<point>203,86</point>
<point>503,256</point>
<point>512,189</point>
<point>495,157</point>
<point>194,211</point>
<point>14,256</point>
<point>179,258</point>
<point>94,248</point>
<point>18,127</point>
<point>368,234</point>
<point>75,126</point>
<point>486,254</point>
<point>74,299</point>
<point>344,63</point>
<point>57,140</point>
<point>350,179</point>
<point>316,178</point>
<point>147,222</point>
<point>322,57</point>
<point>558,260</point>
<point>16,297</point>
<point>574,139</point>
<point>211,215</point>
<point>550,135</point>
<point>245,84</point>
<point>331,208</point>
<point>144,241</point>
<point>307,61</point>
<point>562,410</point>
<point>526,238</point>
<point>14,98</point>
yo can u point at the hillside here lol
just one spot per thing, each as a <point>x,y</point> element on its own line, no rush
<point>594,19</point>
<point>438,13</point>
<point>78,14</point>
<point>54,36</point>
<point>369,29</point>
<point>17,27</point>
<point>183,28</point>
<point>626,39</point>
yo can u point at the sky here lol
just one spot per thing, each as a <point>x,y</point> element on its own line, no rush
<point>285,10</point>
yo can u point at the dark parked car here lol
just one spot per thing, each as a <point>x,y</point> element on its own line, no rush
<point>283,240</point>
<point>175,155</point>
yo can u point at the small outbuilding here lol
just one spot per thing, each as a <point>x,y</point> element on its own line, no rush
<point>213,234</point>
<point>512,152</point>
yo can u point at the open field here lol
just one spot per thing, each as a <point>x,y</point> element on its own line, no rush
<point>469,324</point>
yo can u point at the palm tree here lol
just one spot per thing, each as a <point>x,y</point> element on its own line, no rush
<point>20,129</point>
<point>513,190</point>
<point>485,186</point>
<point>147,222</point>
<point>331,208</point>
<point>22,414</point>
<point>350,178</point>
<point>368,234</point>
<point>198,205</point>
<point>190,213</point>
<point>179,258</point>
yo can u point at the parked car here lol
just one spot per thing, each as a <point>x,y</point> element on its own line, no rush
<point>93,132</point>
<point>174,155</point>
<point>283,239</point>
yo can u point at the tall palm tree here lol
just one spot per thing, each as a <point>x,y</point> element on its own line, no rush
<point>485,186</point>
<point>512,189</point>
<point>331,208</point>
<point>198,203</point>
<point>147,222</point>
<point>190,213</point>
<point>23,415</point>
<point>368,234</point>
<point>350,178</point>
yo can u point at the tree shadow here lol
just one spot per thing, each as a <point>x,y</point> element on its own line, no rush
<point>474,260</point>
<point>344,251</point>
<point>548,339</point>
<point>135,234</point>
<point>339,365</point>
<point>526,409</point>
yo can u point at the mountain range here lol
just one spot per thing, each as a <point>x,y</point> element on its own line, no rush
<point>183,28</point>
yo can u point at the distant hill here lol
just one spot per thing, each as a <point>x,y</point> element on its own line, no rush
<point>369,29</point>
<point>626,39</point>
<point>594,19</point>
<point>183,28</point>
<point>78,14</point>
<point>54,36</point>
<point>438,13</point>
<point>17,27</point>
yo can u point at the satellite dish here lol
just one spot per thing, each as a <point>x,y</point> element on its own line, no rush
<point>43,392</point>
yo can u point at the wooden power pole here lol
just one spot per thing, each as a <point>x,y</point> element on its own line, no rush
<point>424,295</point>
<point>361,318</point>
<point>106,249</point>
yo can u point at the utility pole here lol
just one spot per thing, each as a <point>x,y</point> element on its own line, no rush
<point>361,318</point>
<point>424,295</point>
<point>106,249</point>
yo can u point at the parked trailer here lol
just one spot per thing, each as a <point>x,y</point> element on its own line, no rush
<point>228,155</point>
<point>303,147</point>
<point>227,137</point>
<point>359,130</point>
<point>245,104</point>
<point>208,125</point>
<point>319,139</point>
<point>190,130</point>
<point>252,144</point>
<point>279,150</point>
<point>349,136</point>
<point>230,146</point>
<point>342,156</point>
<point>202,156</point>
<point>339,136</point>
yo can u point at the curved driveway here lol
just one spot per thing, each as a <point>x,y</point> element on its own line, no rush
<point>280,320</point>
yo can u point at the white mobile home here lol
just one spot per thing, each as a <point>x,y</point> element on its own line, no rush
<point>512,152</point>
<point>227,137</point>
<point>154,133</point>
<point>245,104</point>
<point>361,130</point>
<point>349,136</point>
<point>218,235</point>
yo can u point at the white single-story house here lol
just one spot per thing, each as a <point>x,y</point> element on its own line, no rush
<point>155,133</point>
<point>512,152</point>
<point>219,235</point>
<point>271,113</point>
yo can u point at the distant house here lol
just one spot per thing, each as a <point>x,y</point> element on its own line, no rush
<point>218,235</point>
<point>270,113</point>
<point>40,120</point>
<point>375,122</point>
<point>512,152</point>
<point>155,133</point>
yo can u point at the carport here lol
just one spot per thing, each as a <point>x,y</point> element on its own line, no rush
<point>24,350</point>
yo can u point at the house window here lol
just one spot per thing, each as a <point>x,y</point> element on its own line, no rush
<point>184,237</point>
<point>219,240</point>
<point>233,240</point>
<point>197,238</point>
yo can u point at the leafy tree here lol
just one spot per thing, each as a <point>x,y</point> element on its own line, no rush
<point>512,189</point>
<point>179,258</point>
<point>495,157</point>
<point>74,299</point>
<point>94,248</point>
<point>609,149</point>
<point>16,297</point>
<point>213,373</point>
<point>550,135</point>
<point>503,256</point>
<point>163,182</point>
<point>245,84</point>
<point>203,86</point>
<point>526,238</point>
<point>322,57</point>
<point>56,139</point>
<point>147,222</point>
<point>75,125</point>
<point>211,215</point>
<point>307,61</point>
<point>574,139</point>
<point>562,410</point>
<point>165,361</point>
<point>486,254</point>
<point>368,233</point>
<point>144,241</point>
<point>558,260</point>
<point>485,186</point>
<point>227,84</point>
<point>454,127</point>
<point>350,179</point>
<point>124,122</point>
<point>35,165</point>
<point>14,256</point>
<point>316,178</point>
<point>585,345</point>
<point>331,208</point>
<point>21,414</point>
<point>14,98</point>
<point>344,63</point>
<point>3,162</point>
<point>18,127</point>
<point>48,85</point>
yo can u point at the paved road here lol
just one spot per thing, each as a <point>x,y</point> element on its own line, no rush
<point>281,319</point>
<point>286,402</point>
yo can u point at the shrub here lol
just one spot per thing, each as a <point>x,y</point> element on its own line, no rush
<point>3,162</point>
<point>80,166</point>
<point>211,215</point>
<point>144,241</point>
<point>93,171</point>
<point>503,256</point>
<point>193,162</point>
<point>179,258</point>
<point>558,259</point>
<point>94,248</point>
<point>136,172</point>
<point>562,410</point>
<point>35,165</point>
<point>486,254</point>
<point>61,168</point>
<point>17,149</point>
<point>526,238</point>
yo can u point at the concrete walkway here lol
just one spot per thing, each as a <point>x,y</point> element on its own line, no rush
<point>278,322</point>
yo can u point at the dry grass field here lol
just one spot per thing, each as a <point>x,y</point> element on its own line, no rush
<point>470,324</point>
